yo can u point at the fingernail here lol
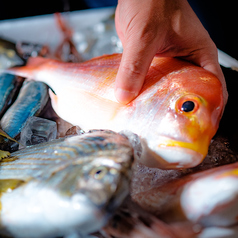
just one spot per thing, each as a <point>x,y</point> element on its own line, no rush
<point>124,96</point>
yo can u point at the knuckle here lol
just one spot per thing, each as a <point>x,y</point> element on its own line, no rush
<point>132,69</point>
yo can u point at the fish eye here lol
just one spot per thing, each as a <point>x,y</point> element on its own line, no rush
<point>188,106</point>
<point>99,172</point>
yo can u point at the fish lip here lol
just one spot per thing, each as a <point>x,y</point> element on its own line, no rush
<point>169,157</point>
<point>180,157</point>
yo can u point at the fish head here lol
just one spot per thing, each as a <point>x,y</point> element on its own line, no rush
<point>105,182</point>
<point>102,170</point>
<point>98,190</point>
<point>106,175</point>
<point>188,113</point>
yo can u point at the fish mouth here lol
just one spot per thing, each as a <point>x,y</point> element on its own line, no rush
<point>172,154</point>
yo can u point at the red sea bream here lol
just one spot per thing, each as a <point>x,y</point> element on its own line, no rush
<point>176,113</point>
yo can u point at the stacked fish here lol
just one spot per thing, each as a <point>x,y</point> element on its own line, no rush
<point>83,178</point>
<point>71,186</point>
<point>19,99</point>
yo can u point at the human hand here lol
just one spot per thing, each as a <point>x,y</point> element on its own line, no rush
<point>167,28</point>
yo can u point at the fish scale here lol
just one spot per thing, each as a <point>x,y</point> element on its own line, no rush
<point>54,153</point>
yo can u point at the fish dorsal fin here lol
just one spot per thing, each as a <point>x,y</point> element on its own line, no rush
<point>31,67</point>
<point>36,61</point>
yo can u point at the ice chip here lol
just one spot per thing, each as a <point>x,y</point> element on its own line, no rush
<point>37,130</point>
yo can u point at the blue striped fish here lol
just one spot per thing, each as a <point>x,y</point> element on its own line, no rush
<point>9,84</point>
<point>31,100</point>
<point>9,87</point>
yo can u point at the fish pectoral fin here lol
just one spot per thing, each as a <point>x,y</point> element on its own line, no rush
<point>4,154</point>
<point>37,61</point>
<point>54,100</point>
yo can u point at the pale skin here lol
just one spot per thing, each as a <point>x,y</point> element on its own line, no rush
<point>167,28</point>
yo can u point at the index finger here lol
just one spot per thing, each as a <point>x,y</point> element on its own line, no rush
<point>134,66</point>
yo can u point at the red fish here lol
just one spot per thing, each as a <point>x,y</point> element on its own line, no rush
<point>208,198</point>
<point>176,113</point>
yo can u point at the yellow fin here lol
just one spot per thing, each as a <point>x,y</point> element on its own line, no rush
<point>2,133</point>
<point>4,154</point>
<point>6,184</point>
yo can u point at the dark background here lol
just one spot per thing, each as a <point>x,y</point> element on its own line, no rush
<point>218,17</point>
<point>23,8</point>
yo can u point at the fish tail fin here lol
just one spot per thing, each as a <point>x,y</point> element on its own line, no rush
<point>29,70</point>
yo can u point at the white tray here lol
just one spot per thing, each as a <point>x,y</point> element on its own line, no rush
<point>44,30</point>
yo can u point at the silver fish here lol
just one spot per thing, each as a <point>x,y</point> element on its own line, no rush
<point>69,185</point>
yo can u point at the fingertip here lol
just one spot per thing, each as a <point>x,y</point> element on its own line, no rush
<point>124,96</point>
<point>134,66</point>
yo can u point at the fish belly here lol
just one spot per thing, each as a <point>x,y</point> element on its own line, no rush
<point>88,111</point>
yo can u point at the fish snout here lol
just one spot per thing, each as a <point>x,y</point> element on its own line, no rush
<point>171,154</point>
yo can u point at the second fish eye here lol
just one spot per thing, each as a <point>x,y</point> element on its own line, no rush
<point>99,172</point>
<point>188,106</point>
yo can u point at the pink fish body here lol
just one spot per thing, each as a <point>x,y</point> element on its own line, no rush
<point>176,113</point>
<point>211,198</point>
<point>208,198</point>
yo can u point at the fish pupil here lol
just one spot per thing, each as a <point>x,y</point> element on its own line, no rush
<point>99,171</point>
<point>188,106</point>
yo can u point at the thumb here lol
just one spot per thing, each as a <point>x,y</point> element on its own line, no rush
<point>133,68</point>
